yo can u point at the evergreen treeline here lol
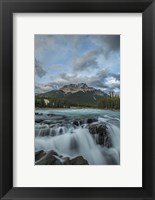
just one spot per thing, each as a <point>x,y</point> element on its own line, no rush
<point>43,102</point>
<point>110,102</point>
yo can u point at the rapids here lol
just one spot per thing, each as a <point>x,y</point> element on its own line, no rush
<point>66,131</point>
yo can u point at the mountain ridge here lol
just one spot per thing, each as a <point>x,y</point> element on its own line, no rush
<point>79,94</point>
<point>73,88</point>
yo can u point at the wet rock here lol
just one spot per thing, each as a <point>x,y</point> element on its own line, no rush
<point>66,161</point>
<point>103,137</point>
<point>57,162</point>
<point>99,128</point>
<point>50,115</point>
<point>48,159</point>
<point>81,122</point>
<point>39,120</point>
<point>52,152</point>
<point>47,122</point>
<point>89,121</point>
<point>79,160</point>
<point>60,131</point>
<point>52,158</point>
<point>76,123</point>
<point>39,155</point>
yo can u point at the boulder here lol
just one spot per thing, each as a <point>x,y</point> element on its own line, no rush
<point>66,161</point>
<point>103,137</point>
<point>39,120</point>
<point>50,115</point>
<point>47,122</point>
<point>81,122</point>
<point>48,159</point>
<point>76,123</point>
<point>79,160</point>
<point>91,120</point>
<point>39,155</point>
<point>98,129</point>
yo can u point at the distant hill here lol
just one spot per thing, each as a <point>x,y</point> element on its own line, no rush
<point>78,94</point>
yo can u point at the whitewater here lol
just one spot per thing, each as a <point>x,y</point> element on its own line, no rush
<point>67,131</point>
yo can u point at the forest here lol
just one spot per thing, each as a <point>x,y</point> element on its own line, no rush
<point>108,102</point>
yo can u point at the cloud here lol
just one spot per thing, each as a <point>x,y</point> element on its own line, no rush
<point>112,84</point>
<point>100,80</point>
<point>92,59</point>
<point>108,42</point>
<point>116,76</point>
<point>44,41</point>
<point>57,66</point>
<point>74,40</point>
<point>87,61</point>
<point>104,46</point>
<point>39,69</point>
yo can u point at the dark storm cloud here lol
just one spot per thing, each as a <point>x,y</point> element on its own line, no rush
<point>39,69</point>
<point>105,45</point>
<point>109,42</point>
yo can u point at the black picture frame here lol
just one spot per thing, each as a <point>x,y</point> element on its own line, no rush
<point>7,8</point>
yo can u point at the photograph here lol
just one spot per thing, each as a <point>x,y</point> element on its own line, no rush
<point>77,99</point>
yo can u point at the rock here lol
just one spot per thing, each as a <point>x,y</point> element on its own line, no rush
<point>58,162</point>
<point>60,131</point>
<point>101,129</point>
<point>50,114</point>
<point>52,152</point>
<point>81,122</point>
<point>39,155</point>
<point>52,125</point>
<point>76,123</point>
<point>47,122</point>
<point>89,121</point>
<point>38,120</point>
<point>103,137</point>
<point>66,161</point>
<point>48,159</point>
<point>79,160</point>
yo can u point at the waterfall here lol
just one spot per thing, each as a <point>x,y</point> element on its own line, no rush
<point>70,140</point>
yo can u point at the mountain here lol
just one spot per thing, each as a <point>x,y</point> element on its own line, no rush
<point>73,88</point>
<point>76,94</point>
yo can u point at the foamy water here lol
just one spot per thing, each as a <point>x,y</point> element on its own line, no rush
<point>57,132</point>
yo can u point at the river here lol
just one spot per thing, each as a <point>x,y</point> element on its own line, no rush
<point>78,132</point>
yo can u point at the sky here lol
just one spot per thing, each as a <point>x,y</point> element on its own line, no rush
<point>64,59</point>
